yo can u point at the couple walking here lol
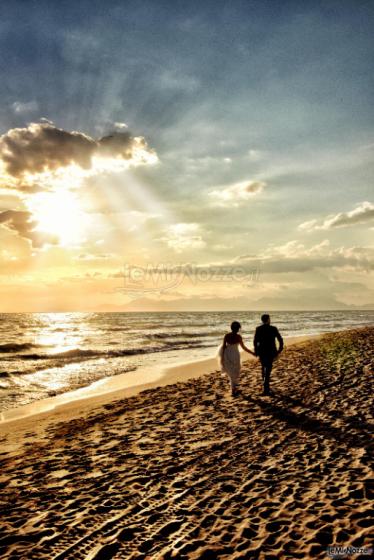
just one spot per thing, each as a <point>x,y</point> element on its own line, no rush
<point>264,346</point>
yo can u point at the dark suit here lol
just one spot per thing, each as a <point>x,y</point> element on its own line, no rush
<point>266,350</point>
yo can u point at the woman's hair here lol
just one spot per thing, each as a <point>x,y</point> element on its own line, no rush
<point>235,326</point>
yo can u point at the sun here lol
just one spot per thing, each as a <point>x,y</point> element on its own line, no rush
<point>59,213</point>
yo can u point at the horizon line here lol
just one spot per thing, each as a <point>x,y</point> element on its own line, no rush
<point>198,311</point>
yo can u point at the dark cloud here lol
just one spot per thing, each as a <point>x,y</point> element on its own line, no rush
<point>118,144</point>
<point>22,223</point>
<point>41,147</point>
<point>254,186</point>
<point>44,147</point>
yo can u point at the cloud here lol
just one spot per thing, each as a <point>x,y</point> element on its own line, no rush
<point>27,107</point>
<point>42,147</point>
<point>292,257</point>
<point>295,257</point>
<point>22,223</point>
<point>184,236</point>
<point>308,226</point>
<point>119,144</point>
<point>363,213</point>
<point>120,125</point>
<point>42,160</point>
<point>294,249</point>
<point>237,194</point>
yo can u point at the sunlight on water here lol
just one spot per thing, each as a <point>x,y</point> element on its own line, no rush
<point>60,331</point>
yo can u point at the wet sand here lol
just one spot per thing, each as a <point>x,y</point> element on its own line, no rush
<point>186,471</point>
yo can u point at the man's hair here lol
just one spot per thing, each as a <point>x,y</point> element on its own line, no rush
<point>235,326</point>
<point>265,317</point>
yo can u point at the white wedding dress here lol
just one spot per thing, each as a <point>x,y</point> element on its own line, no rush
<point>230,363</point>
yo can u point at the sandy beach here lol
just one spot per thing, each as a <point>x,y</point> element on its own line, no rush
<point>186,471</point>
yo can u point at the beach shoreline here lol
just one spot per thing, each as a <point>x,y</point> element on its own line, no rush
<point>184,471</point>
<point>103,391</point>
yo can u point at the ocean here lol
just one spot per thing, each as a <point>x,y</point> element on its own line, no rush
<point>45,354</point>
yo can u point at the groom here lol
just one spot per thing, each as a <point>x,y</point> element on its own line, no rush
<point>265,348</point>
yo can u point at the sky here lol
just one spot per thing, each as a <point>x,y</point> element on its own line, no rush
<point>166,155</point>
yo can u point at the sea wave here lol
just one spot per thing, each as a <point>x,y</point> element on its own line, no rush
<point>181,335</point>
<point>80,353</point>
<point>67,354</point>
<point>16,347</point>
<point>171,345</point>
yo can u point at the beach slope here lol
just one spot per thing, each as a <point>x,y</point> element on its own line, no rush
<point>186,471</point>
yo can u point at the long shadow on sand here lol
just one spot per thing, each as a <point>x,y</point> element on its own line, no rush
<point>351,436</point>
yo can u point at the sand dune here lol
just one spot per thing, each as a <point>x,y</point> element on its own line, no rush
<point>186,471</point>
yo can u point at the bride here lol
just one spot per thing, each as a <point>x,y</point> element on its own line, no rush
<point>230,357</point>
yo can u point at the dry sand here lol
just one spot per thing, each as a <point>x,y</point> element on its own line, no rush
<point>186,471</point>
